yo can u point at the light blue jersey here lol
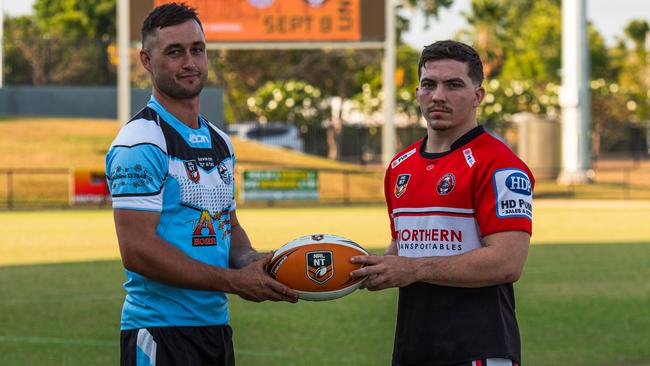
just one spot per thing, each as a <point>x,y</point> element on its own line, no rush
<point>157,163</point>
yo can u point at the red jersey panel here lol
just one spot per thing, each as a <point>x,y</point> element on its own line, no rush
<point>443,204</point>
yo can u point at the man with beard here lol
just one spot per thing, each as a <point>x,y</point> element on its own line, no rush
<point>460,207</point>
<point>171,176</point>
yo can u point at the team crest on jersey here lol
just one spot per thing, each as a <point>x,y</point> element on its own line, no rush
<point>192,170</point>
<point>320,266</point>
<point>401,183</point>
<point>446,184</point>
<point>224,173</point>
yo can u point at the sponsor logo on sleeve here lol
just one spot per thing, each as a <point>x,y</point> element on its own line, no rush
<point>514,193</point>
<point>133,177</point>
<point>446,184</point>
<point>400,184</point>
<point>399,160</point>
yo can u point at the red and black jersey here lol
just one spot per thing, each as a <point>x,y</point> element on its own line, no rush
<point>443,204</point>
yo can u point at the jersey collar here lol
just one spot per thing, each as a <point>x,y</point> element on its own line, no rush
<point>169,118</point>
<point>466,138</point>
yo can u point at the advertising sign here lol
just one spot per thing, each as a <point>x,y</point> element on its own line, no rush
<point>278,20</point>
<point>90,186</point>
<point>280,185</point>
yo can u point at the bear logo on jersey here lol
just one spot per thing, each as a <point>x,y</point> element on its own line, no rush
<point>446,184</point>
<point>192,170</point>
<point>320,266</point>
<point>401,183</point>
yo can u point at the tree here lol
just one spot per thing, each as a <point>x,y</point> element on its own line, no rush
<point>489,24</point>
<point>429,8</point>
<point>635,76</point>
<point>63,42</point>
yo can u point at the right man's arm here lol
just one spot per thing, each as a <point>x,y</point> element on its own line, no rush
<point>144,252</point>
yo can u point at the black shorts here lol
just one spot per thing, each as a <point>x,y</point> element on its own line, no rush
<point>177,346</point>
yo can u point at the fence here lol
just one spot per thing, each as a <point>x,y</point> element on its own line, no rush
<point>623,179</point>
<point>54,188</point>
<point>35,188</point>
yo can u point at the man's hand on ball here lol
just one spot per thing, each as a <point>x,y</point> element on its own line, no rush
<point>254,284</point>
<point>383,272</point>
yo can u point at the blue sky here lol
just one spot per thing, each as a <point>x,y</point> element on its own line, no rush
<point>609,17</point>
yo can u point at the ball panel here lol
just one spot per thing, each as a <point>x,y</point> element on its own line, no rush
<point>329,295</point>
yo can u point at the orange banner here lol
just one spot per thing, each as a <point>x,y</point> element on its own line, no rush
<point>278,20</point>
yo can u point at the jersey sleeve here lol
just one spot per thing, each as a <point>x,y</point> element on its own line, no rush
<point>136,175</point>
<point>504,197</point>
<point>389,204</point>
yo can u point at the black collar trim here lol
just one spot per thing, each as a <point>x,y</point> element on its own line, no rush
<point>466,138</point>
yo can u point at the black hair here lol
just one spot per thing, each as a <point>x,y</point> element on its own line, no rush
<point>167,15</point>
<point>443,50</point>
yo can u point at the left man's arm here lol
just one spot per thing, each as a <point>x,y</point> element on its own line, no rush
<point>500,260</point>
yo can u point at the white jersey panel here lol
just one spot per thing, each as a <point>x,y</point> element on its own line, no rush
<point>141,131</point>
<point>435,235</point>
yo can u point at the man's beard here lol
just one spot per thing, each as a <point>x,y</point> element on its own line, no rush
<point>176,91</point>
<point>438,126</point>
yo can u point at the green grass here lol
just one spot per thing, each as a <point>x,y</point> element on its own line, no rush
<point>577,305</point>
<point>77,235</point>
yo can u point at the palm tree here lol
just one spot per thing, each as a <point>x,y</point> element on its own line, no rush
<point>489,21</point>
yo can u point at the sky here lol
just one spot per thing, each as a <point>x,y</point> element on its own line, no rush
<point>609,17</point>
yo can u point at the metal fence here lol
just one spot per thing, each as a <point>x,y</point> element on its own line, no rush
<point>35,188</point>
<point>54,188</point>
<point>621,179</point>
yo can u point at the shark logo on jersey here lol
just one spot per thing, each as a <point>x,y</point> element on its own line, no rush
<point>446,184</point>
<point>225,174</point>
<point>400,184</point>
<point>192,170</point>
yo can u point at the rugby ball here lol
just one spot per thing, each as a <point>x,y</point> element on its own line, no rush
<point>317,267</point>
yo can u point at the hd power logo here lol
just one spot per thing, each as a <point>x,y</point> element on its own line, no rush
<point>514,193</point>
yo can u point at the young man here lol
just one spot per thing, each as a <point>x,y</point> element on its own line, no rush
<point>171,176</point>
<point>460,205</point>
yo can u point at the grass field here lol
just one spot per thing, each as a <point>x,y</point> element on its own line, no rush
<point>579,303</point>
<point>585,300</point>
<point>74,235</point>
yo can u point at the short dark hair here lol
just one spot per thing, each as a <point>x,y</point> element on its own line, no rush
<point>167,15</point>
<point>443,50</point>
